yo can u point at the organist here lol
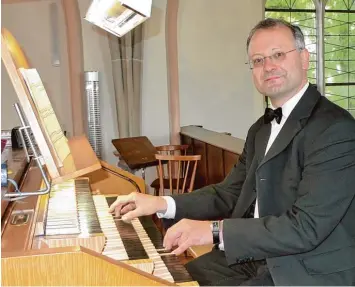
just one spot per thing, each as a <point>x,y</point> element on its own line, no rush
<point>298,163</point>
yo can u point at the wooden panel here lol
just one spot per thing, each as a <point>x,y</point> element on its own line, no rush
<point>199,250</point>
<point>219,153</point>
<point>113,180</point>
<point>230,159</point>
<point>215,167</point>
<point>18,237</point>
<point>220,140</point>
<point>80,161</point>
<point>189,141</point>
<point>201,179</point>
<point>71,266</point>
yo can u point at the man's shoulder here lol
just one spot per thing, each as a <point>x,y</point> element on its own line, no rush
<point>329,122</point>
<point>327,113</point>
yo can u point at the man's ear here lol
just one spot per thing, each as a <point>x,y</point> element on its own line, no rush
<point>305,59</point>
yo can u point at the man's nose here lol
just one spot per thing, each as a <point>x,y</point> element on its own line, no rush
<point>269,65</point>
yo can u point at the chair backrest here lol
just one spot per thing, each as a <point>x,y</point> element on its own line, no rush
<point>177,172</point>
<point>172,149</point>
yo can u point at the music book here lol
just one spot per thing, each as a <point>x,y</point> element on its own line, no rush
<point>47,116</point>
<point>118,16</point>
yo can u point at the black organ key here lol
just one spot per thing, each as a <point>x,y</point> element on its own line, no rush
<point>177,270</point>
<point>129,237</point>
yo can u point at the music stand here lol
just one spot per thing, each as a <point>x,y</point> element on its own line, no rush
<point>137,152</point>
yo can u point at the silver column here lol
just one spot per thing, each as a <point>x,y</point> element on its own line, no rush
<point>93,111</point>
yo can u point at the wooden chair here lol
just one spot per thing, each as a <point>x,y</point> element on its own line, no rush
<point>176,173</point>
<point>167,150</point>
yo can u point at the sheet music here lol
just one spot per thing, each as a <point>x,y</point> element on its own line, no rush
<point>46,113</point>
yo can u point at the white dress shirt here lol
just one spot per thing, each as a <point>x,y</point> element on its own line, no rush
<point>275,129</point>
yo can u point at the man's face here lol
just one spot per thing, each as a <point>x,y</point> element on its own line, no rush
<point>278,77</point>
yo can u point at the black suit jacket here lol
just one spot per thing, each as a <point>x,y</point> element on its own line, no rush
<point>305,186</point>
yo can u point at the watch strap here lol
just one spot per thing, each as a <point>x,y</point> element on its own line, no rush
<point>215,232</point>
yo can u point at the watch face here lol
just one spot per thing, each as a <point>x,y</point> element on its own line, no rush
<point>215,232</point>
<point>215,226</point>
<point>4,174</point>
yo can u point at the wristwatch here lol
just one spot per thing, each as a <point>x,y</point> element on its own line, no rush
<point>215,231</point>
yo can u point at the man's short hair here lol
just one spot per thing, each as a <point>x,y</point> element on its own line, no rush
<point>271,23</point>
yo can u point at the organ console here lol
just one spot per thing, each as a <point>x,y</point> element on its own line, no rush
<point>67,236</point>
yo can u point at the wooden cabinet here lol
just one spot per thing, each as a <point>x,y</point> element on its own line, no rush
<point>219,152</point>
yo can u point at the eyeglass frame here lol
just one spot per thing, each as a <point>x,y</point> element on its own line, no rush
<point>271,57</point>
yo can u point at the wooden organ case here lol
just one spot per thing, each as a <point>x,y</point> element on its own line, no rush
<point>66,236</point>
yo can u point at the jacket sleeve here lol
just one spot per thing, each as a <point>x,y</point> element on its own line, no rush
<point>327,186</point>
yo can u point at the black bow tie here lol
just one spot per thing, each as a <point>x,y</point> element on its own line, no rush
<point>271,114</point>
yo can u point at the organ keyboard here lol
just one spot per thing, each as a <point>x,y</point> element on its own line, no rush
<point>72,224</point>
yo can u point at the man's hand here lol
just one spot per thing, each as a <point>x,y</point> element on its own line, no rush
<point>188,233</point>
<point>137,204</point>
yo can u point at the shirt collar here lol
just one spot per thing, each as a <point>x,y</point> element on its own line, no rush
<point>291,103</point>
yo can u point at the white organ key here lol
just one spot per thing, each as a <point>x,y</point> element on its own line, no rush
<point>114,247</point>
<point>62,218</point>
<point>160,269</point>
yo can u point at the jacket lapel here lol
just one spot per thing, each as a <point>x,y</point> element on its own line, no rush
<point>248,195</point>
<point>261,139</point>
<point>293,124</point>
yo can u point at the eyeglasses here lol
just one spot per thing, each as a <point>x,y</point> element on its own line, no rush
<point>276,58</point>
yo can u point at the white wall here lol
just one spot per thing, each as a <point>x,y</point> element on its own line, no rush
<point>30,25</point>
<point>216,89</point>
<point>97,58</point>
<point>155,111</point>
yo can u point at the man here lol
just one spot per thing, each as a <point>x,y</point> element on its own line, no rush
<point>300,168</point>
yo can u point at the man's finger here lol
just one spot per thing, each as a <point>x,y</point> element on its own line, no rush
<point>186,244</point>
<point>118,210</point>
<point>127,208</point>
<point>122,200</point>
<point>131,215</point>
<point>176,242</point>
<point>171,236</point>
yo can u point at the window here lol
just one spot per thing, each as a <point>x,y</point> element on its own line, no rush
<point>303,14</point>
<point>339,43</point>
